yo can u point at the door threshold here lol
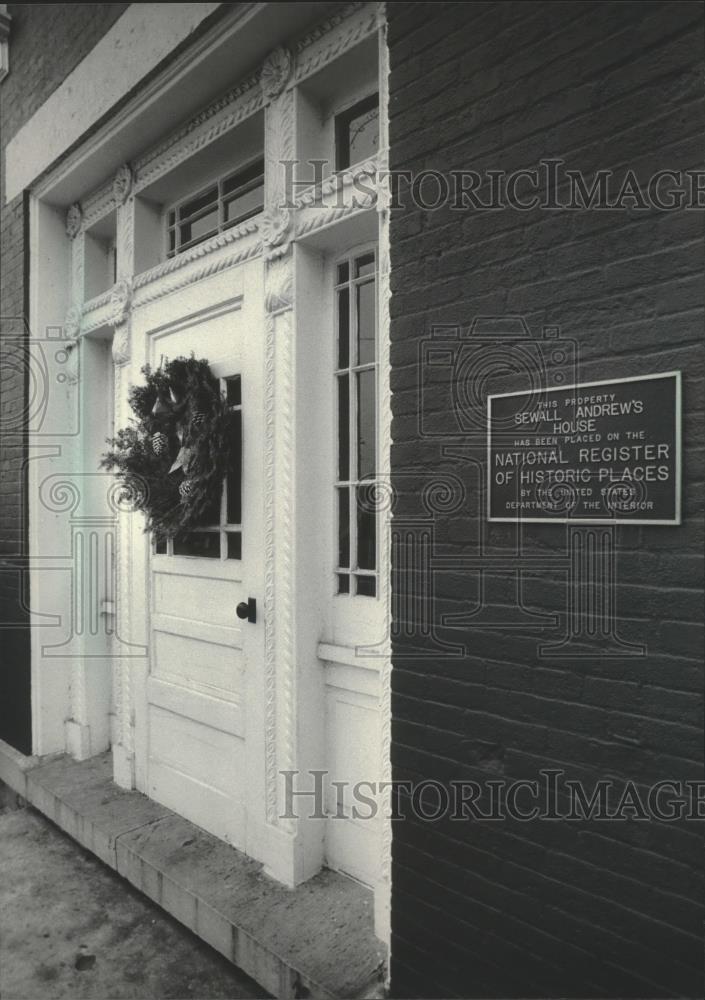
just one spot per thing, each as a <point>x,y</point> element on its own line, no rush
<point>316,940</point>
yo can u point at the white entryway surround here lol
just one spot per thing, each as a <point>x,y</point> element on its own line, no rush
<point>310,686</point>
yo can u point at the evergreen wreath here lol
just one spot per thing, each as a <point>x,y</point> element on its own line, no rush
<point>173,456</point>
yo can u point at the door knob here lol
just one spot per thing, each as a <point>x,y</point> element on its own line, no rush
<point>247,610</point>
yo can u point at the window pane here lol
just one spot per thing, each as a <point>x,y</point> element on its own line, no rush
<point>366,529</point>
<point>160,546</point>
<point>344,527</point>
<point>366,586</point>
<point>234,475</point>
<point>343,272</point>
<point>366,431</point>
<point>343,583</point>
<point>234,545</point>
<point>199,229</point>
<point>210,517</point>
<point>343,328</point>
<point>363,136</point>
<point>197,204</point>
<point>206,545</point>
<point>365,265</point>
<point>233,390</point>
<point>244,205</point>
<point>366,323</point>
<point>244,177</point>
<point>343,427</point>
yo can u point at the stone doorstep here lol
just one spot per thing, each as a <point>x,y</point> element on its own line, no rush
<point>316,940</point>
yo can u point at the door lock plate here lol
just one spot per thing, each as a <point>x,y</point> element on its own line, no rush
<point>247,610</point>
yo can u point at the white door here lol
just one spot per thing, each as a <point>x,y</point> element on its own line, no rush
<point>202,696</point>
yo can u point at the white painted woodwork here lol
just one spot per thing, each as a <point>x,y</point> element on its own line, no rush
<point>204,678</point>
<point>206,711</point>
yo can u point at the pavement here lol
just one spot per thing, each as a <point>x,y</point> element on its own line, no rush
<point>70,927</point>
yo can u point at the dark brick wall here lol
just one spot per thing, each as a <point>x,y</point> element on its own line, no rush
<point>47,41</point>
<point>547,908</point>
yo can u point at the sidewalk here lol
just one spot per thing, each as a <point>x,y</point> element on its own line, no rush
<point>70,927</point>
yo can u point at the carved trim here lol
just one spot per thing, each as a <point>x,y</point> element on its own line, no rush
<point>330,39</point>
<point>121,349</point>
<point>74,219</point>
<point>338,197</point>
<point>72,323</point>
<point>98,204</point>
<point>270,665</point>
<point>275,72</point>
<point>97,312</point>
<point>279,286</point>
<point>275,227</point>
<point>121,301</point>
<point>152,284</point>
<point>122,184</point>
<point>215,120</point>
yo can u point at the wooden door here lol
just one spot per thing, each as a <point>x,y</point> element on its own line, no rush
<point>203,687</point>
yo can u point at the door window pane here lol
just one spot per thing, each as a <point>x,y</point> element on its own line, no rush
<point>205,544</point>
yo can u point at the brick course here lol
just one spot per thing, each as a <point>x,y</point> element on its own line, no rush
<point>549,909</point>
<point>47,41</point>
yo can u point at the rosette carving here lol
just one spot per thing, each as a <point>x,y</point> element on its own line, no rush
<point>276,71</point>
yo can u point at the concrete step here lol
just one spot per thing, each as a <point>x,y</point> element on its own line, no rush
<point>316,940</point>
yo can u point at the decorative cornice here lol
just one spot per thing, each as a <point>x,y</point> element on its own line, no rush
<point>98,204</point>
<point>330,39</point>
<point>338,197</point>
<point>74,219</point>
<point>122,184</point>
<point>214,121</point>
<point>275,73</point>
<point>152,284</point>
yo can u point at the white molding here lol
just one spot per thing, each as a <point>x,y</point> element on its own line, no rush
<point>337,198</point>
<point>211,123</point>
<point>140,39</point>
<point>333,37</point>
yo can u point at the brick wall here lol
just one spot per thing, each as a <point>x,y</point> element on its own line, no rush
<point>547,908</point>
<point>47,41</point>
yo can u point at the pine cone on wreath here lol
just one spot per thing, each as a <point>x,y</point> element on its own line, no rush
<point>185,489</point>
<point>160,443</point>
<point>198,418</point>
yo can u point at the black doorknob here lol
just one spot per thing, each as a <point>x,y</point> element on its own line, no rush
<point>247,610</point>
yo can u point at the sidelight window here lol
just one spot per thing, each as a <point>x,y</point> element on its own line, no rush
<point>356,390</point>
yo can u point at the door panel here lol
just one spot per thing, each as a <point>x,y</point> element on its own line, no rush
<point>205,663</point>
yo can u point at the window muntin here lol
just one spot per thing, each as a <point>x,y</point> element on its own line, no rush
<point>220,535</point>
<point>356,441</point>
<point>225,203</point>
<point>357,132</point>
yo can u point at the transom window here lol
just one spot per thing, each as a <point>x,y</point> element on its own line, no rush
<point>356,384</point>
<point>225,203</point>
<point>220,536</point>
<point>357,132</point>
